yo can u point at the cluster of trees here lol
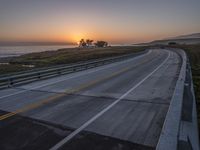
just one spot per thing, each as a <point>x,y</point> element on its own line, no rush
<point>89,43</point>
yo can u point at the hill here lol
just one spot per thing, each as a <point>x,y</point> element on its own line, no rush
<point>182,39</point>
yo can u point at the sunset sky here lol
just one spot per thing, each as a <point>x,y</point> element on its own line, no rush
<point>117,21</point>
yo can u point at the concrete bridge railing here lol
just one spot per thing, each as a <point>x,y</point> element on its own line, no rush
<point>179,131</point>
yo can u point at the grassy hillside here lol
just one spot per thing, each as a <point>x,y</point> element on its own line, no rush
<point>179,41</point>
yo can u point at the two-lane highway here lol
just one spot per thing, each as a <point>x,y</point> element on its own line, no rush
<point>117,106</point>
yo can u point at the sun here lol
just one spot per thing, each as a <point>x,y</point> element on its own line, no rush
<point>77,36</point>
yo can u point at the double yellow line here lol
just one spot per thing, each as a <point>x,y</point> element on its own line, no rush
<point>57,96</point>
<point>70,91</point>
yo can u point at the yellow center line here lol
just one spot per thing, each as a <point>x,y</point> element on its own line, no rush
<point>67,92</point>
<point>57,96</point>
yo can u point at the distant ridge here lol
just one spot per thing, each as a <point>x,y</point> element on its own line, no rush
<point>182,39</point>
<point>187,36</point>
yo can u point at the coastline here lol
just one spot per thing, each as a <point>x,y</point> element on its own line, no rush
<point>15,51</point>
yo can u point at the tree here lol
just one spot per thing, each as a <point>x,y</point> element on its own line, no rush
<point>89,42</point>
<point>101,44</point>
<point>82,43</point>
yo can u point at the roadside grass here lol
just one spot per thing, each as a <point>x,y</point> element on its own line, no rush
<point>12,68</point>
<point>65,56</point>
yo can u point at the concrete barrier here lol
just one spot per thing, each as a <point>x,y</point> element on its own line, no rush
<point>170,138</point>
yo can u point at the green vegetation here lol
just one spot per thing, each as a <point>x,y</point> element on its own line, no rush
<point>64,56</point>
<point>12,68</point>
<point>89,43</point>
<point>101,44</point>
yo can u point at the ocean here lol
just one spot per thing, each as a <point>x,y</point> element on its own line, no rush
<point>10,51</point>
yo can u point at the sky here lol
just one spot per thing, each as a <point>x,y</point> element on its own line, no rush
<point>116,21</point>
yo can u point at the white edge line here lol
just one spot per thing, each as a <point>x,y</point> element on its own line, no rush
<point>77,131</point>
<point>105,67</point>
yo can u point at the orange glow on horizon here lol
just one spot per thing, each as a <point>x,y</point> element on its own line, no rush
<point>75,33</point>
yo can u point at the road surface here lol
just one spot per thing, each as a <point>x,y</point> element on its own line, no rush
<point>117,106</point>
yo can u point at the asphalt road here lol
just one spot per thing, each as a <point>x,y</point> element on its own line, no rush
<point>117,106</point>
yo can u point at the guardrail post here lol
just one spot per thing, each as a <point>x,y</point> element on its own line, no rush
<point>39,76</point>
<point>59,71</point>
<point>10,82</point>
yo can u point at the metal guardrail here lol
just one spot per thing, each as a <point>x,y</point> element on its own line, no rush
<point>70,64</point>
<point>35,75</point>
